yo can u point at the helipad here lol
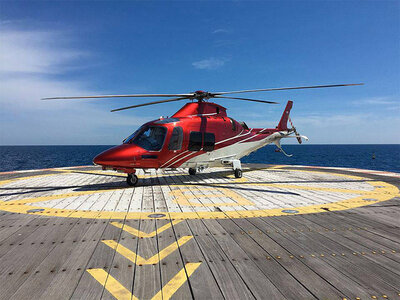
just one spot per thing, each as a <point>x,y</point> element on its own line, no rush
<point>278,232</point>
<point>213,194</point>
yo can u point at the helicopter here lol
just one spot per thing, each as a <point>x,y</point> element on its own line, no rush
<point>197,136</point>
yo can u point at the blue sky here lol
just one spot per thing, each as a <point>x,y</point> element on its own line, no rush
<point>83,48</point>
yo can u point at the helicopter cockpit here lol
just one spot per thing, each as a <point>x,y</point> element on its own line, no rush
<point>150,138</point>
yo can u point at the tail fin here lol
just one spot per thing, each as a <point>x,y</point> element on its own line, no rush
<point>285,116</point>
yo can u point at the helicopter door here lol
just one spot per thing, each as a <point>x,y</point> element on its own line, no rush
<point>175,142</point>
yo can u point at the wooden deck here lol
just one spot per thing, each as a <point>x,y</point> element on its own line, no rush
<point>279,232</point>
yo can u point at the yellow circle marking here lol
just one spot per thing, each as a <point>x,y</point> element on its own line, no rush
<point>382,191</point>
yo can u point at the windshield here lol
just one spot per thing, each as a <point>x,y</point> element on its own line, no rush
<point>150,138</point>
<point>129,138</point>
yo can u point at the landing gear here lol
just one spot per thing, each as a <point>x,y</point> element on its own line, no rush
<point>132,179</point>
<point>192,171</point>
<point>238,173</point>
<point>237,168</point>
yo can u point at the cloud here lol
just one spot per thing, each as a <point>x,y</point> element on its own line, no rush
<point>36,64</point>
<point>377,101</point>
<point>29,52</point>
<point>220,30</point>
<point>341,128</point>
<point>354,128</point>
<point>209,63</point>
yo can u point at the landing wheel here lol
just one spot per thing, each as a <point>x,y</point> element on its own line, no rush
<point>192,171</point>
<point>238,173</point>
<point>132,179</point>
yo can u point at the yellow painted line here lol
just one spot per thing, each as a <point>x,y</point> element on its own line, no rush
<point>276,167</point>
<point>23,178</point>
<point>111,284</point>
<point>142,234</point>
<point>135,258</point>
<point>176,282</point>
<point>182,199</point>
<point>121,293</point>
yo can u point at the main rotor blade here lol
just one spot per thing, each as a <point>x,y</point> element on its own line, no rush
<point>288,88</point>
<point>149,103</point>
<point>121,96</point>
<point>246,99</point>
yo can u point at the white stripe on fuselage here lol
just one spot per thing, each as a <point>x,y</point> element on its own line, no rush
<point>167,164</point>
<point>234,151</point>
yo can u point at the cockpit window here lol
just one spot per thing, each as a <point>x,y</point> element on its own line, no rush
<point>129,138</point>
<point>150,138</point>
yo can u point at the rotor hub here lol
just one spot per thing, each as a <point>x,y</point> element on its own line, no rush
<point>202,95</point>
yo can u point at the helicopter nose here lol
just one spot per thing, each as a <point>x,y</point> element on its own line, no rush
<point>121,155</point>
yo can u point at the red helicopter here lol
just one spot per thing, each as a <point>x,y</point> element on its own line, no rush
<point>197,136</point>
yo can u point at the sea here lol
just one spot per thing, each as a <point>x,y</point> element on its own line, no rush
<point>372,157</point>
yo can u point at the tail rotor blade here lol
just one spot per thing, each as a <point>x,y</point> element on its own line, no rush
<point>298,136</point>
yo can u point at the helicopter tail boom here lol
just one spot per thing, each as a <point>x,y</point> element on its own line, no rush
<point>285,116</point>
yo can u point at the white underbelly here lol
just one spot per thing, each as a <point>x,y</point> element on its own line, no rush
<point>235,151</point>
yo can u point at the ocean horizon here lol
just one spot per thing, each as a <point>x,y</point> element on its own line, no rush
<point>381,157</point>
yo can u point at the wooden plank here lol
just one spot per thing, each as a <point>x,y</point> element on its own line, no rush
<point>122,269</point>
<point>16,266</point>
<point>353,266</point>
<point>276,273</point>
<point>54,263</point>
<point>307,275</point>
<point>202,282</point>
<point>75,265</point>
<point>328,280</point>
<point>172,263</point>
<point>228,278</point>
<point>147,280</point>
<point>102,257</point>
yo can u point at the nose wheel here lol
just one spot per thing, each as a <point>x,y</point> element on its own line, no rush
<point>132,179</point>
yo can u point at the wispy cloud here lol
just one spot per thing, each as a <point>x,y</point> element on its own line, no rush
<point>29,52</point>
<point>377,101</point>
<point>35,64</point>
<point>220,30</point>
<point>349,128</point>
<point>209,63</point>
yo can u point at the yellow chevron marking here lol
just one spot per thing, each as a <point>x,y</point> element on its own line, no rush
<point>111,284</point>
<point>175,283</point>
<point>142,234</point>
<point>121,293</point>
<point>137,259</point>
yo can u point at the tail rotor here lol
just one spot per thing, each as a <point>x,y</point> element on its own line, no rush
<point>297,135</point>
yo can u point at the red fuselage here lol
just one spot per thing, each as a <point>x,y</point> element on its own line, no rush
<point>158,145</point>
